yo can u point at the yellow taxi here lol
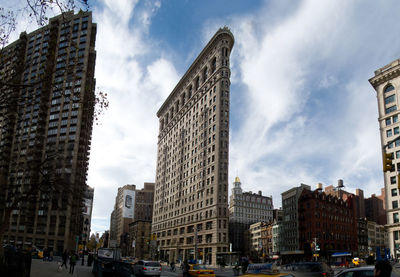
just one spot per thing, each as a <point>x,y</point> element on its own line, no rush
<point>198,270</point>
<point>264,270</point>
<point>37,252</point>
<point>356,261</point>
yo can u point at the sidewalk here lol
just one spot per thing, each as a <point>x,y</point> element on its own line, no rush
<point>40,268</point>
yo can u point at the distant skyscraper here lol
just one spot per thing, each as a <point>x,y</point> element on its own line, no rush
<point>46,115</point>
<point>246,208</point>
<point>122,215</point>
<point>131,205</point>
<point>386,83</point>
<point>190,215</point>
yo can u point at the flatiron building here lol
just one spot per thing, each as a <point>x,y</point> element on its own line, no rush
<point>190,213</point>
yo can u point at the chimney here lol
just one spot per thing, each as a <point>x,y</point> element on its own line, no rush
<point>259,192</point>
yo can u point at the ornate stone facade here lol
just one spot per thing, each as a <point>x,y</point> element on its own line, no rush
<point>386,83</point>
<point>190,217</point>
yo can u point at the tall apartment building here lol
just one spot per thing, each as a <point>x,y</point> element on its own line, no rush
<point>246,208</point>
<point>362,233</point>
<point>190,215</point>
<point>122,214</point>
<point>289,236</point>
<point>374,209</point>
<point>131,205</point>
<point>328,220</point>
<point>386,83</point>
<point>144,199</point>
<point>46,114</point>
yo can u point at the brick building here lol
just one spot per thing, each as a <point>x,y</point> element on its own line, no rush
<point>329,221</point>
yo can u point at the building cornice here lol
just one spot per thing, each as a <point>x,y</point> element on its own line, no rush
<point>385,74</point>
<point>218,35</point>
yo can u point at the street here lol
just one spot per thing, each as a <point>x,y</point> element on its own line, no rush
<point>41,268</point>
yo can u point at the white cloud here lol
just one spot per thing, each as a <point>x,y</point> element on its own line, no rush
<point>124,145</point>
<point>289,132</point>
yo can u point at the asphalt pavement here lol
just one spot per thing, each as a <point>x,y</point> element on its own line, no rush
<point>42,268</point>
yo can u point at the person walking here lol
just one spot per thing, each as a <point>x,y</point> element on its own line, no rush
<point>64,259</point>
<point>382,269</point>
<point>172,266</point>
<point>72,262</point>
<point>185,270</point>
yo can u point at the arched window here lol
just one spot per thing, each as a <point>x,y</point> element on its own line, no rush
<point>213,65</point>
<point>190,92</point>
<point>389,88</point>
<point>197,83</point>
<point>183,99</point>
<point>205,74</point>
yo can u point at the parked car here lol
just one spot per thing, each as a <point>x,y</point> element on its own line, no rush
<point>308,269</point>
<point>146,268</point>
<point>363,271</point>
<point>197,270</point>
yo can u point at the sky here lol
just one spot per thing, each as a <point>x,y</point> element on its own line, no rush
<point>301,111</point>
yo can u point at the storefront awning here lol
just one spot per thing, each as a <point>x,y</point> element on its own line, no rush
<point>341,254</point>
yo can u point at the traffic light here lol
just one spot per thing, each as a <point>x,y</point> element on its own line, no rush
<point>398,180</point>
<point>387,161</point>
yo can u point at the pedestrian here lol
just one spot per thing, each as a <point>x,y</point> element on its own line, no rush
<point>185,269</point>
<point>72,262</point>
<point>382,269</point>
<point>90,259</point>
<point>45,254</point>
<point>64,259</point>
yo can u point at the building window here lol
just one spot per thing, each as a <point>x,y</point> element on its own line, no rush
<point>205,75</point>
<point>214,65</point>
<point>395,118</point>
<point>391,109</point>
<point>396,235</point>
<point>397,154</point>
<point>389,88</point>
<point>395,204</point>
<point>390,99</point>
<point>395,217</point>
<point>394,192</point>
<point>197,83</point>
<point>389,133</point>
<point>396,131</point>
<point>393,180</point>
